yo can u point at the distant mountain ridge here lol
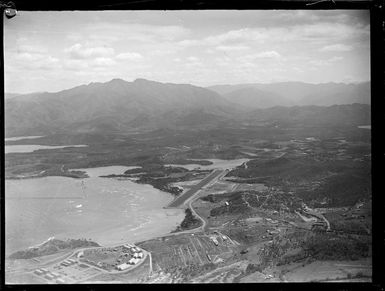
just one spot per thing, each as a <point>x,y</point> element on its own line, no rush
<point>118,105</point>
<point>295,93</point>
<point>256,98</point>
<point>313,116</point>
<point>114,105</point>
<point>10,95</point>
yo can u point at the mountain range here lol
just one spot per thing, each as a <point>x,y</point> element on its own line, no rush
<point>118,105</point>
<point>294,93</point>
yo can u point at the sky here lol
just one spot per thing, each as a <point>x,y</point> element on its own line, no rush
<point>53,51</point>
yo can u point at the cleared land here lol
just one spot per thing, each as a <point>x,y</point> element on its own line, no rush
<point>271,236</point>
<point>195,188</point>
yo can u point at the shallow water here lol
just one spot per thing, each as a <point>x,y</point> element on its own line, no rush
<point>22,137</point>
<point>103,171</point>
<point>34,147</point>
<point>106,210</point>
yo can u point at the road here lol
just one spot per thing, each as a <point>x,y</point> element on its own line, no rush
<point>188,196</point>
<point>319,216</point>
<point>204,222</point>
<point>194,189</point>
<point>204,225</point>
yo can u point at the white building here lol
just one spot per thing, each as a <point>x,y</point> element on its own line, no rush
<point>122,267</point>
<point>55,274</point>
<point>39,272</point>
<point>214,240</point>
<point>49,276</point>
<point>133,261</point>
<point>128,246</point>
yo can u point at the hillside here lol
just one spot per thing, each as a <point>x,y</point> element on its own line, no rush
<point>299,93</point>
<point>119,106</point>
<point>113,106</point>
<point>336,115</point>
<point>255,98</point>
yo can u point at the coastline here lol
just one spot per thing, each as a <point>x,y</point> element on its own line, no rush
<point>119,235</point>
<point>155,225</point>
<point>151,220</point>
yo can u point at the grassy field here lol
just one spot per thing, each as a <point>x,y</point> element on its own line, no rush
<point>175,253</point>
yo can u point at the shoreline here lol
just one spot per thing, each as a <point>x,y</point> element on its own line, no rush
<point>111,238</point>
<point>161,222</point>
<point>119,234</point>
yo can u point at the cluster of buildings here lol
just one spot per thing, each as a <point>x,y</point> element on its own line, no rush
<point>137,255</point>
<point>68,262</point>
<point>215,240</point>
<point>51,276</point>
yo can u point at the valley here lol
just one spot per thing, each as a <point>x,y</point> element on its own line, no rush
<point>191,145</point>
<point>298,198</point>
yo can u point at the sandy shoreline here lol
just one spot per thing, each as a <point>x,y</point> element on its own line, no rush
<point>112,212</point>
<point>108,224</point>
<point>146,231</point>
<point>155,227</point>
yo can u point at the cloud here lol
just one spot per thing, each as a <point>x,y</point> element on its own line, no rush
<point>36,61</point>
<point>49,63</point>
<point>28,48</point>
<point>328,31</point>
<point>78,51</point>
<point>129,56</point>
<point>193,62</point>
<point>188,42</point>
<point>75,65</point>
<point>268,54</point>
<point>233,35</point>
<point>336,48</point>
<point>88,64</point>
<point>192,59</point>
<point>313,33</point>
<point>136,31</point>
<point>242,48</point>
<point>263,55</point>
<point>74,36</point>
<point>335,59</point>
<point>328,62</point>
<point>103,62</point>
<point>29,57</point>
<point>232,47</point>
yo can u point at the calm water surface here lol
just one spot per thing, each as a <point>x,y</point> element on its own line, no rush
<point>106,210</point>
<point>22,137</point>
<point>33,147</point>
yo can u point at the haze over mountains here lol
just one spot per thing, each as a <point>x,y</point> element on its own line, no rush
<point>119,105</point>
<point>115,105</point>
<point>294,93</point>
